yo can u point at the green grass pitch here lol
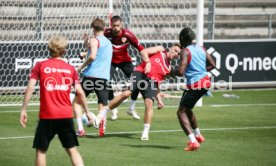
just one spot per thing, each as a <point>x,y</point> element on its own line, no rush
<point>238,131</point>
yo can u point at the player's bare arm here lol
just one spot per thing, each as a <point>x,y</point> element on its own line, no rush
<point>158,97</point>
<point>150,51</point>
<point>210,62</point>
<point>27,97</point>
<point>85,39</point>
<point>180,71</point>
<point>93,44</point>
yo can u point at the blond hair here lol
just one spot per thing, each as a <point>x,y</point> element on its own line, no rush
<point>57,46</point>
<point>98,24</point>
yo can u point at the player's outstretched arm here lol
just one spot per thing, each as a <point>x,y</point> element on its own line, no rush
<point>27,97</point>
<point>145,54</point>
<point>93,45</point>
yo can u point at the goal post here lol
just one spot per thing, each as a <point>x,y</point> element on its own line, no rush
<point>199,31</point>
<point>110,11</point>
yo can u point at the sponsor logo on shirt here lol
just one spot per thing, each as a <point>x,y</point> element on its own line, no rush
<point>49,70</point>
<point>51,84</point>
<point>157,60</point>
<point>124,39</point>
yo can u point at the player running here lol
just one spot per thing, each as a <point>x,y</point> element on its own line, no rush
<point>97,69</point>
<point>194,64</point>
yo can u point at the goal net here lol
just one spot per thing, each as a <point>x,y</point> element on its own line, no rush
<point>26,25</point>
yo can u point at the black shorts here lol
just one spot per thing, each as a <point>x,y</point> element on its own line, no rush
<point>147,87</point>
<point>97,85</point>
<point>190,97</point>
<point>126,67</point>
<point>48,128</point>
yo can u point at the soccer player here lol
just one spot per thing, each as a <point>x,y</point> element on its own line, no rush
<point>121,39</point>
<point>55,116</point>
<point>194,64</point>
<point>146,78</point>
<point>97,69</point>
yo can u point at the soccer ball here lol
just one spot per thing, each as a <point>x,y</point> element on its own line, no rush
<point>85,120</point>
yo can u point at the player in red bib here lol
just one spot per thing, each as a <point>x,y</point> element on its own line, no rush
<point>194,64</point>
<point>146,78</point>
<point>55,115</point>
<point>121,39</point>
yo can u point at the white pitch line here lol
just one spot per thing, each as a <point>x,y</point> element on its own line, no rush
<point>242,105</point>
<point>16,111</point>
<point>10,138</point>
<point>157,131</point>
<point>211,105</point>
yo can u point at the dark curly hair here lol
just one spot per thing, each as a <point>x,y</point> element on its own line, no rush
<point>186,37</point>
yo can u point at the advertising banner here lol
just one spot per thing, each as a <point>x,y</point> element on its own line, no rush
<point>236,61</point>
<point>243,61</point>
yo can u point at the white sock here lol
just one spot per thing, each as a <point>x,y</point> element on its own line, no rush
<point>192,137</point>
<point>146,128</point>
<point>104,111</point>
<point>132,105</point>
<point>79,123</point>
<point>115,109</point>
<point>196,132</point>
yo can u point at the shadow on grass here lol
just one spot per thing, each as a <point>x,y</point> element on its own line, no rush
<point>151,146</point>
<point>96,136</point>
